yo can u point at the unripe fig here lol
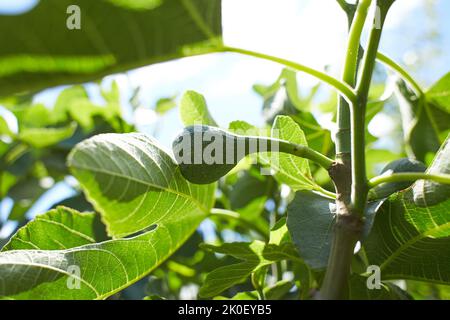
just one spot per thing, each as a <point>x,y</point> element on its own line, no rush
<point>397,166</point>
<point>205,154</point>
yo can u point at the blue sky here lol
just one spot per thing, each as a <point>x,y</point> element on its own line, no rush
<point>309,31</point>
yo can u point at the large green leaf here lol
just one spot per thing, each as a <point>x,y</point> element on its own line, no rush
<point>420,290</point>
<point>254,257</point>
<point>428,193</point>
<point>310,222</point>
<point>276,292</point>
<point>134,184</point>
<point>440,93</point>
<point>61,228</point>
<point>423,123</point>
<point>44,137</point>
<point>292,170</point>
<point>90,271</point>
<point>411,233</point>
<point>248,187</point>
<point>114,36</point>
<point>411,242</point>
<point>68,98</point>
<point>38,125</point>
<point>248,196</point>
<point>358,290</point>
<point>74,104</point>
<point>32,115</point>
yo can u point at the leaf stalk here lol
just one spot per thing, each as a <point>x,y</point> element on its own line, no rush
<point>409,177</point>
<point>347,91</point>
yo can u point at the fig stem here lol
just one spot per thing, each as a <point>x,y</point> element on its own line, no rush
<point>391,64</point>
<point>305,152</point>
<point>347,91</point>
<point>409,176</point>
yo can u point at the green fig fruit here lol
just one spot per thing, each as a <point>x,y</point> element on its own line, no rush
<point>397,166</point>
<point>205,154</point>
